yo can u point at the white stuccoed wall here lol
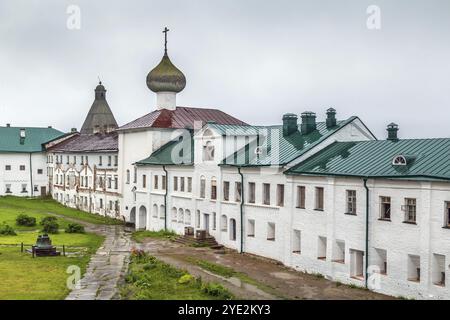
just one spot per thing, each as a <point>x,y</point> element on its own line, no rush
<point>16,177</point>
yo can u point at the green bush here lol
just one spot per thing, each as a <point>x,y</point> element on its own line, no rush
<point>50,227</point>
<point>187,278</point>
<point>24,220</point>
<point>216,290</point>
<point>46,220</point>
<point>74,228</point>
<point>7,230</point>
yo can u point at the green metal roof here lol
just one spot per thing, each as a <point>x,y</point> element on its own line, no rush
<point>427,159</point>
<point>175,152</point>
<point>34,138</point>
<point>280,150</point>
<point>237,130</point>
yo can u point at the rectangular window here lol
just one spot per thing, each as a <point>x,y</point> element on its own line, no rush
<point>8,188</point>
<point>447,215</point>
<point>410,210</point>
<point>301,193</point>
<point>22,168</point>
<point>202,188</point>
<point>155,182</point>
<point>226,191</point>
<point>381,260</point>
<point>67,159</point>
<point>213,189</point>
<point>74,159</point>
<point>144,181</point>
<point>8,167</point>
<point>128,176</point>
<point>251,228</point>
<point>109,161</point>
<point>40,171</point>
<point>339,251</point>
<point>116,161</point>
<point>280,195</point>
<point>100,158</point>
<point>110,182</point>
<point>322,248</point>
<point>24,188</point>
<point>438,270</point>
<point>175,183</point>
<point>319,198</point>
<point>87,160</point>
<point>116,183</point>
<point>189,187</point>
<point>297,242</point>
<point>163,181</point>
<point>134,175</point>
<point>101,203</point>
<point>266,194</point>
<point>182,184</point>
<point>214,221</point>
<point>385,208</point>
<point>251,192</point>
<point>271,231</point>
<point>351,202</point>
<point>238,191</point>
<point>413,268</point>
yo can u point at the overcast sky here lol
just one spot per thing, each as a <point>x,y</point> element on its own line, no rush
<point>250,58</point>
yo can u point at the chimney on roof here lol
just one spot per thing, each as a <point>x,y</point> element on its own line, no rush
<point>331,118</point>
<point>8,125</point>
<point>22,136</point>
<point>392,130</point>
<point>73,130</point>
<point>49,127</point>
<point>308,122</point>
<point>289,124</point>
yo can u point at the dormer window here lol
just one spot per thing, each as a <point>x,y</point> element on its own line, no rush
<point>208,151</point>
<point>399,161</point>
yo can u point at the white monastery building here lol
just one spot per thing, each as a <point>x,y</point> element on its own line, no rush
<point>323,197</point>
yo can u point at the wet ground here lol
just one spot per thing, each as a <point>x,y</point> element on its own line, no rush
<point>273,281</point>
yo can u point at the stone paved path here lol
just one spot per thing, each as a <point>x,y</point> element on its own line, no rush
<point>106,266</point>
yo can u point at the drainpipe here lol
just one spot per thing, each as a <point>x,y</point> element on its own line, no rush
<point>242,209</point>
<point>367,233</point>
<point>165,198</point>
<point>31,177</point>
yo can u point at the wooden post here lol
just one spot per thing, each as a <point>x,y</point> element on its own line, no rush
<point>32,251</point>
<point>64,250</point>
<point>21,247</point>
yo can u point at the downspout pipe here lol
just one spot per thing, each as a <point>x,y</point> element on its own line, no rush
<point>366,278</point>
<point>31,176</point>
<point>165,197</point>
<point>242,210</point>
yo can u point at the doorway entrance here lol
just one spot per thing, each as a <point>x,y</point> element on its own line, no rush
<point>43,191</point>
<point>206,222</point>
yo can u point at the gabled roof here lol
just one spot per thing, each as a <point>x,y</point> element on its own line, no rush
<point>426,158</point>
<point>171,154</point>
<point>279,150</point>
<point>34,138</point>
<point>181,118</point>
<point>99,142</point>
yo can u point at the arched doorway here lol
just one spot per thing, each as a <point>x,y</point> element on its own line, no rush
<point>133,215</point>
<point>142,218</point>
<point>232,229</point>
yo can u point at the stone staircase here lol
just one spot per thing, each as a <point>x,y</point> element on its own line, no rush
<point>190,240</point>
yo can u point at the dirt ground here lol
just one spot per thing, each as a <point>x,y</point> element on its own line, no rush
<point>276,281</point>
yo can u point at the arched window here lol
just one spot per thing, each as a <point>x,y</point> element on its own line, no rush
<point>208,151</point>
<point>399,161</point>
<point>187,217</point>
<point>155,211</point>
<point>202,187</point>
<point>213,188</point>
<point>180,215</point>
<point>162,211</point>
<point>174,214</point>
<point>223,223</point>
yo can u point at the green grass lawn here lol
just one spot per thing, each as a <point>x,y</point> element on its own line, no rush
<point>44,278</point>
<point>12,206</point>
<point>22,277</point>
<point>140,236</point>
<point>151,279</point>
